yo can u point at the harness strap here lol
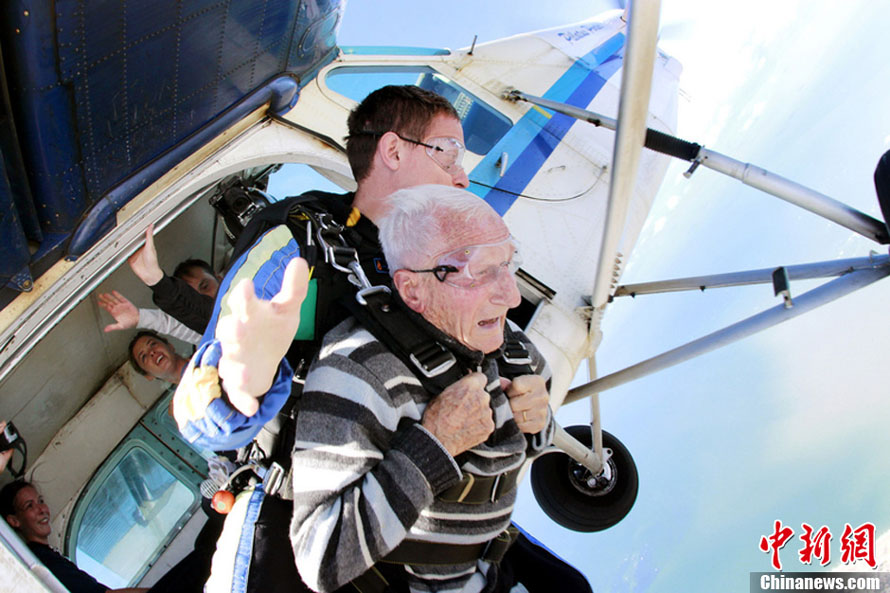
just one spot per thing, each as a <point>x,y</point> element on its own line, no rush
<point>473,489</point>
<point>430,553</point>
<point>420,553</point>
<point>437,367</point>
<point>516,359</point>
<point>371,581</point>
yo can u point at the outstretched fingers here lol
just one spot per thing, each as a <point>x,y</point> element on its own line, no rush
<point>125,313</point>
<point>294,285</point>
<point>256,335</point>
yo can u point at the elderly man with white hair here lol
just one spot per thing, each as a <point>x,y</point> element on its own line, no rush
<point>404,469</point>
<point>397,488</point>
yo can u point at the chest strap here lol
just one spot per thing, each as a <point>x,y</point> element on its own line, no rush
<point>432,553</point>
<point>473,489</point>
<point>428,553</point>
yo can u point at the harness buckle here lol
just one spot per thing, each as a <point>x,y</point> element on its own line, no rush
<point>274,479</point>
<point>334,246</point>
<point>343,257</point>
<point>494,488</point>
<point>468,488</point>
<point>433,359</point>
<point>497,548</point>
<point>361,295</point>
<point>516,353</point>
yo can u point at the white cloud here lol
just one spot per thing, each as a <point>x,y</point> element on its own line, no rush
<point>826,392</point>
<point>659,224</point>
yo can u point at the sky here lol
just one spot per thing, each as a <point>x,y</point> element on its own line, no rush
<point>789,425</point>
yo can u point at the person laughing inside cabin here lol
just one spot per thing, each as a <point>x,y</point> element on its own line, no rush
<point>153,357</point>
<point>24,509</point>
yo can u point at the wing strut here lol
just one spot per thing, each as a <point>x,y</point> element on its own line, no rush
<point>825,269</point>
<point>802,304</point>
<point>747,173</point>
<point>633,110</point>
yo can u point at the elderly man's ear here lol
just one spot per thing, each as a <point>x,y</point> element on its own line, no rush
<point>411,289</point>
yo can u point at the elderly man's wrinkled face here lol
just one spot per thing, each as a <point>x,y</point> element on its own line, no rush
<point>471,303</point>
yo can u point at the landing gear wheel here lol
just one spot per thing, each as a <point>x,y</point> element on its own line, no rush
<point>575,499</point>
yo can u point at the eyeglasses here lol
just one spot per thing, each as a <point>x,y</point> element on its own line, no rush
<point>475,265</point>
<point>447,152</point>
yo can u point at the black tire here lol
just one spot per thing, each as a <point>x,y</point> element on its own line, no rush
<point>571,502</point>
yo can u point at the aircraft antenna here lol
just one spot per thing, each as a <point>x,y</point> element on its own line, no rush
<point>473,46</point>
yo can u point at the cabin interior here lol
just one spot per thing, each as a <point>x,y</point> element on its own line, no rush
<point>102,448</point>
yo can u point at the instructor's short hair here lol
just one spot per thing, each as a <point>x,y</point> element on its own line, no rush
<point>406,110</point>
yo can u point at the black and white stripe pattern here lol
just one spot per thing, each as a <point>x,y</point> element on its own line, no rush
<point>366,473</point>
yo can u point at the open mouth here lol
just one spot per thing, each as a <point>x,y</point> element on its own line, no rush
<point>490,322</point>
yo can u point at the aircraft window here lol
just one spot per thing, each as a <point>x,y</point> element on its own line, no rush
<point>523,314</point>
<point>130,516</point>
<point>534,294</point>
<point>483,126</point>
<point>292,179</point>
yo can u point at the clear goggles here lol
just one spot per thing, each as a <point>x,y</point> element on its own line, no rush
<point>476,265</point>
<point>447,152</point>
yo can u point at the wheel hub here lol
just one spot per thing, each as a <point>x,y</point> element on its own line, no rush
<point>585,482</point>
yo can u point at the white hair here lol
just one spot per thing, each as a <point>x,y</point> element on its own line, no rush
<point>416,219</point>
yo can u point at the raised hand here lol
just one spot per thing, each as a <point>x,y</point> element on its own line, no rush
<point>256,335</point>
<point>460,417</point>
<point>125,313</point>
<point>144,262</point>
<point>5,456</point>
<point>529,401</point>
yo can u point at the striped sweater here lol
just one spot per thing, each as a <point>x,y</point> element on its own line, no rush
<point>366,473</point>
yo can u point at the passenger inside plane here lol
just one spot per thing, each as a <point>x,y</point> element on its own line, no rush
<point>198,274</point>
<point>155,358</point>
<point>128,316</point>
<point>24,509</point>
<point>175,295</point>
